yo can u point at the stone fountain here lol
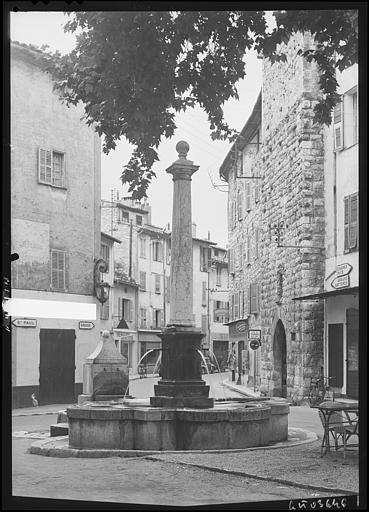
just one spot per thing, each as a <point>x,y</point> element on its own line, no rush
<point>180,416</point>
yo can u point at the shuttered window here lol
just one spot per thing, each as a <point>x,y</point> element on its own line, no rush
<point>58,270</point>
<point>142,247</point>
<point>246,302</point>
<point>51,167</point>
<point>338,125</point>
<point>157,286</point>
<point>236,306</point>
<point>256,239</point>
<point>143,280</point>
<point>105,253</point>
<point>247,249</point>
<point>247,196</point>
<point>254,298</point>
<point>143,318</point>
<point>231,260</point>
<point>351,219</point>
<point>239,205</point>
<point>157,248</point>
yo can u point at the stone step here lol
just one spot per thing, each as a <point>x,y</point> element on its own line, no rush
<point>62,417</point>
<point>59,429</point>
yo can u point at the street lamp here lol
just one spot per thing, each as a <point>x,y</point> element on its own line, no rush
<point>102,288</point>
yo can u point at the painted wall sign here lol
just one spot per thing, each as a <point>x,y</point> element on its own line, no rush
<point>86,325</point>
<point>241,326</point>
<point>254,334</point>
<point>343,269</point>
<point>254,344</point>
<point>341,282</point>
<point>25,322</point>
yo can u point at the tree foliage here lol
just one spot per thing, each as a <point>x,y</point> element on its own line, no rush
<point>133,71</point>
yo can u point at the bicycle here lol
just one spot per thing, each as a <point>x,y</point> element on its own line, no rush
<point>319,391</point>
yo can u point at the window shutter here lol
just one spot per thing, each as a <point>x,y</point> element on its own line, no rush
<point>240,299</point>
<point>239,200</point>
<point>338,125</point>
<point>353,231</point>
<point>256,243</point>
<point>247,196</point>
<point>120,308</point>
<point>157,283</point>
<point>130,311</point>
<point>257,190</point>
<point>254,298</point>
<point>247,248</point>
<point>143,280</point>
<point>236,306</point>
<point>44,165</point>
<point>346,222</point>
<point>168,288</point>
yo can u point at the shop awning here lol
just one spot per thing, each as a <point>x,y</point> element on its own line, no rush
<point>325,295</point>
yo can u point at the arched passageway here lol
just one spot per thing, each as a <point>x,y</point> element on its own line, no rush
<point>280,361</point>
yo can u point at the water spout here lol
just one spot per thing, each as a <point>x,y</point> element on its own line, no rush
<point>203,360</point>
<point>157,363</point>
<point>145,354</point>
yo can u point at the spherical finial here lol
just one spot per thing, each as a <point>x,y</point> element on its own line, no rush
<point>105,334</point>
<point>182,148</point>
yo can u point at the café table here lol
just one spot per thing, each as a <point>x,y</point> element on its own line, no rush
<point>327,409</point>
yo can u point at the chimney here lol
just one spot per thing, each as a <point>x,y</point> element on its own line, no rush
<point>208,235</point>
<point>193,229</point>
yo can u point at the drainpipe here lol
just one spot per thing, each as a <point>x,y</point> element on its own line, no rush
<point>130,250</point>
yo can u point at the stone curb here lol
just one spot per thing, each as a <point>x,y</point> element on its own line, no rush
<point>257,477</point>
<point>41,448</point>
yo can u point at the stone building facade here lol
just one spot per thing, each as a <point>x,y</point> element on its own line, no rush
<point>275,172</point>
<point>55,229</point>
<point>141,291</point>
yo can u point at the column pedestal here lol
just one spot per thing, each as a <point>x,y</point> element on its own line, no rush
<point>181,384</point>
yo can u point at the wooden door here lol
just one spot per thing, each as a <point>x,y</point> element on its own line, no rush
<point>352,352</point>
<point>57,366</point>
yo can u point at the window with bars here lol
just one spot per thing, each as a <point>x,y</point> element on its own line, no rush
<point>51,167</point>
<point>351,221</point>
<point>143,280</point>
<point>58,270</point>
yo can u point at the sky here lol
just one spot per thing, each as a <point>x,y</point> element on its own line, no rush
<point>209,202</point>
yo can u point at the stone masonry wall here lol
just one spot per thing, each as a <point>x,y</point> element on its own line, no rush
<point>292,192</point>
<point>290,160</point>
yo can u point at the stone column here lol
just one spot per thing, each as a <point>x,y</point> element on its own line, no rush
<point>181,384</point>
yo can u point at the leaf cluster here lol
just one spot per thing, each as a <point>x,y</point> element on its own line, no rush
<point>133,71</point>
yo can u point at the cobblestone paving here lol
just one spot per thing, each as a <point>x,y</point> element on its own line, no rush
<point>301,464</point>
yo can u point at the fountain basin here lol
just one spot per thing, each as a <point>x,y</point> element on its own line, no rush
<point>137,426</point>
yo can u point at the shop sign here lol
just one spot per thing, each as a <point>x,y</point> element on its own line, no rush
<point>341,282</point>
<point>86,325</point>
<point>343,269</point>
<point>254,334</point>
<point>25,322</point>
<point>241,326</point>
<point>254,344</point>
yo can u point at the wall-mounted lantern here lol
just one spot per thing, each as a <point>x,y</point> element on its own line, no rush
<point>102,289</point>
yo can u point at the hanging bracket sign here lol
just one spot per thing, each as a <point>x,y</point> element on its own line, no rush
<point>254,344</point>
<point>343,269</point>
<point>341,281</point>
<point>241,326</point>
<point>254,334</point>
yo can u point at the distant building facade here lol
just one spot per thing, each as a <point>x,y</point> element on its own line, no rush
<point>142,261</point>
<point>55,229</point>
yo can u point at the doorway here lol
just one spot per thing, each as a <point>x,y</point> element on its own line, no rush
<point>352,352</point>
<point>57,366</point>
<point>280,361</point>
